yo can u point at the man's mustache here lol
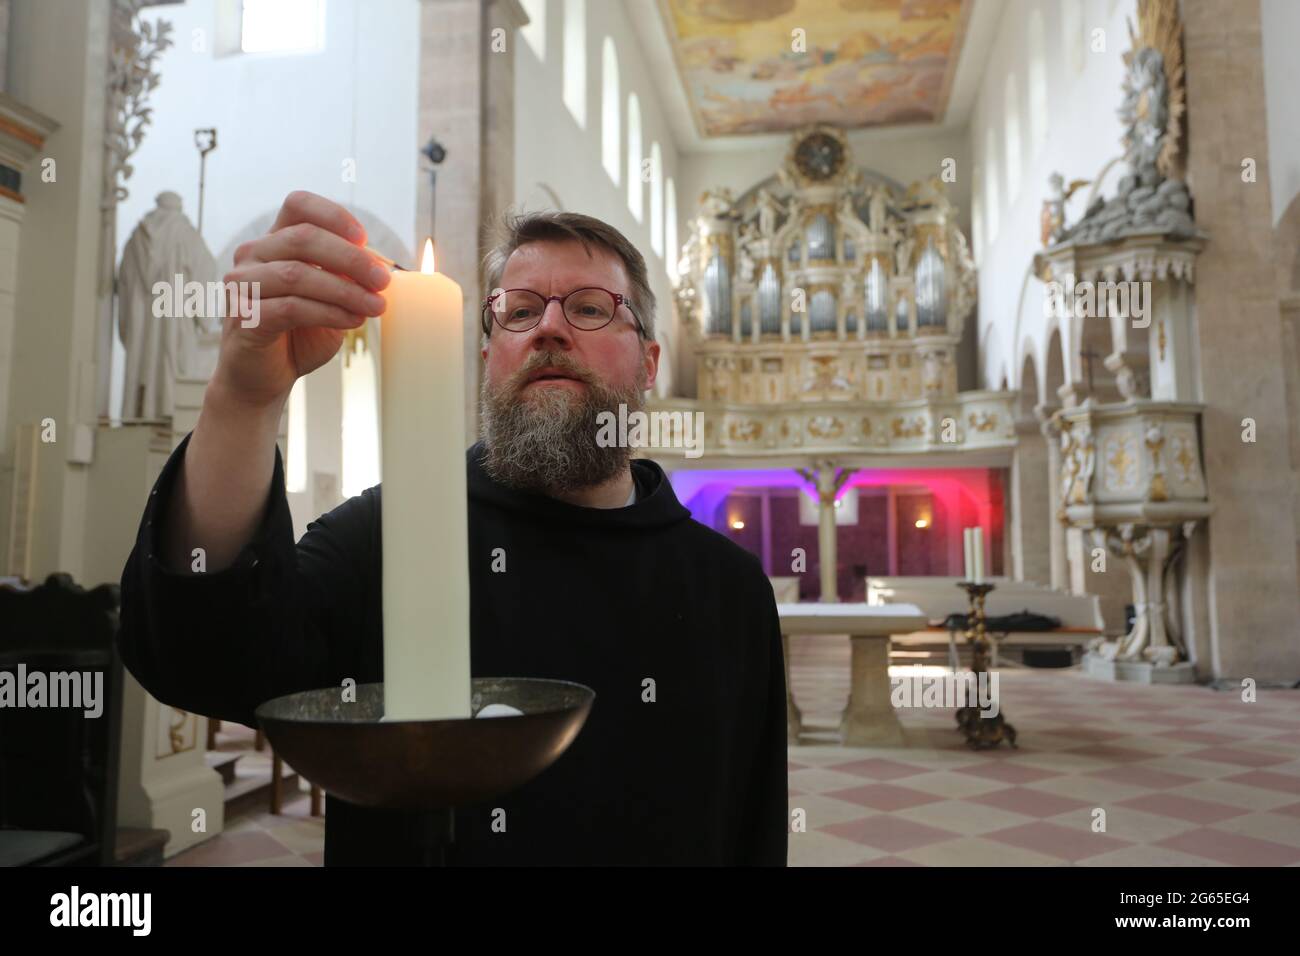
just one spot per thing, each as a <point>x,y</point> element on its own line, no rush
<point>555,360</point>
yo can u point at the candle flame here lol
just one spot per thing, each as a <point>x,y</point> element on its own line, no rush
<point>426,261</point>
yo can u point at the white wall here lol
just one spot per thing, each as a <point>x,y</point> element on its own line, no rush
<point>1080,135</point>
<point>553,153</point>
<point>1280,27</point>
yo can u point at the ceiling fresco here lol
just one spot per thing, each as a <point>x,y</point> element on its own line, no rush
<point>765,66</point>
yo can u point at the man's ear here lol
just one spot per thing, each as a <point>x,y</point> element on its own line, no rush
<point>650,357</point>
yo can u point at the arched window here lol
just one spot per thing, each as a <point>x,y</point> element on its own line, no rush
<point>534,33</point>
<point>610,135</point>
<point>992,199</point>
<point>656,200</point>
<point>295,478</point>
<point>1073,37</point>
<point>1011,128</point>
<point>635,187</point>
<point>1037,83</point>
<point>674,249</point>
<point>575,59</point>
<point>360,421</point>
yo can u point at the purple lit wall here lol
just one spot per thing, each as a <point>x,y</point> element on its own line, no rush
<point>943,500</point>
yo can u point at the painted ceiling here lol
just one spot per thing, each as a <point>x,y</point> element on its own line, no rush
<point>747,68</point>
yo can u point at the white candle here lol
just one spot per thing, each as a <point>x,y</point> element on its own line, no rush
<point>424,525</point>
<point>978,549</point>
<point>969,567</point>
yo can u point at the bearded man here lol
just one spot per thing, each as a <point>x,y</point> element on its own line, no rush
<point>608,582</point>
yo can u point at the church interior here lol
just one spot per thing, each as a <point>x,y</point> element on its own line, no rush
<point>979,330</point>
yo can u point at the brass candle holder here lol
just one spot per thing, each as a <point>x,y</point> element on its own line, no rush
<point>982,733</point>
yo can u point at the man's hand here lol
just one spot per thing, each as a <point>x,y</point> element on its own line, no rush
<point>315,281</point>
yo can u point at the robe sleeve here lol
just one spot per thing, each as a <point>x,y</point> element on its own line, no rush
<point>280,619</point>
<point>765,839</point>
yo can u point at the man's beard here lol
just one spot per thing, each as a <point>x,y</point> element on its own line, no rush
<point>545,440</point>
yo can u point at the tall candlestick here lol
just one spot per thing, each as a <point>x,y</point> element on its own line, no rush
<point>968,568</point>
<point>977,547</point>
<point>423,517</point>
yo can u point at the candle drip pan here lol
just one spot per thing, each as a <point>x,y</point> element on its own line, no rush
<point>424,764</point>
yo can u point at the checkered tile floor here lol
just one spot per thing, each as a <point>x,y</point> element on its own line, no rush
<point>1187,776</point>
<point>293,838</point>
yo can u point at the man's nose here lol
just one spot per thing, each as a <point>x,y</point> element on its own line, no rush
<point>553,327</point>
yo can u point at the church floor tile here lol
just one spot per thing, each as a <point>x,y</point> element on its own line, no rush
<point>1187,776</point>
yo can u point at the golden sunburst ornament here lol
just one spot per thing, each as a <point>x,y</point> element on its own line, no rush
<point>1160,29</point>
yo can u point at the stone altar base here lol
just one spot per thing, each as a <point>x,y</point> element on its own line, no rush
<point>1138,672</point>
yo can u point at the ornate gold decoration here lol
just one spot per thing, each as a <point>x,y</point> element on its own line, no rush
<point>176,730</point>
<point>825,427</point>
<point>1120,464</point>
<point>1160,336</point>
<point>1185,459</point>
<point>913,429</point>
<point>1155,442</point>
<point>982,733</point>
<point>983,422</point>
<point>748,430</point>
<point>818,154</point>
<point>721,242</point>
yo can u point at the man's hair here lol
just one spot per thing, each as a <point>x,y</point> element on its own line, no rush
<point>514,230</point>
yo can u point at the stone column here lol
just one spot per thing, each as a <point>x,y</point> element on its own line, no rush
<point>827,551</point>
<point>467,103</point>
<point>1253,601</point>
<point>1058,573</point>
<point>1031,506</point>
<point>58,65</point>
<point>23,133</point>
<point>828,482</point>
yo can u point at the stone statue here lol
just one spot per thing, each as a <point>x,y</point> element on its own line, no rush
<point>876,210</point>
<point>168,319</point>
<point>717,204</point>
<point>845,210</point>
<point>1052,220</point>
<point>903,256</point>
<point>745,263</point>
<point>1149,198</point>
<point>767,213</point>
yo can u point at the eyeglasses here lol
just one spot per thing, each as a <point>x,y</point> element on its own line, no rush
<point>588,310</point>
